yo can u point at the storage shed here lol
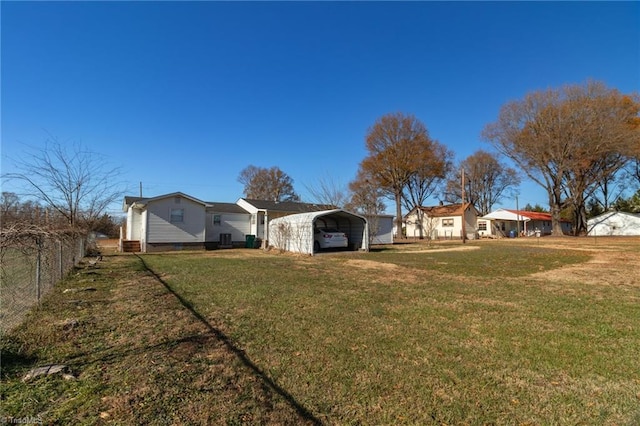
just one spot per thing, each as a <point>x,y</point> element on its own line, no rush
<point>380,228</point>
<point>614,223</point>
<point>295,232</point>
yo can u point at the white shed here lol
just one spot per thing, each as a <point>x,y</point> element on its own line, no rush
<point>295,232</point>
<point>380,228</point>
<point>614,223</point>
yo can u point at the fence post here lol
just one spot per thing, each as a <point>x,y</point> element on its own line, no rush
<point>38,267</point>
<point>60,257</point>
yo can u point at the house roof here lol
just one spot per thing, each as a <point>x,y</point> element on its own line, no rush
<point>606,215</point>
<point>285,206</point>
<point>515,215</point>
<point>288,206</point>
<point>218,207</point>
<point>443,210</point>
<point>531,215</point>
<point>129,200</point>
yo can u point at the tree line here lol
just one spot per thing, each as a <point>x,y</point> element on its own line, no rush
<point>64,188</point>
<point>581,143</point>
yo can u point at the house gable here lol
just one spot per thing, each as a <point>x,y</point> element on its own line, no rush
<point>175,218</point>
<point>443,221</point>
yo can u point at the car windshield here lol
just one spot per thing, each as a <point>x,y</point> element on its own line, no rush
<point>329,230</point>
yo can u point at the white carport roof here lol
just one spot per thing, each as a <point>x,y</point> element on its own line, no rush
<point>299,237</point>
<point>502,214</point>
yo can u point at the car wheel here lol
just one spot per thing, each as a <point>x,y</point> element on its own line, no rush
<point>316,246</point>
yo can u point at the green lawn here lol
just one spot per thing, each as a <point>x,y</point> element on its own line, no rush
<point>497,333</point>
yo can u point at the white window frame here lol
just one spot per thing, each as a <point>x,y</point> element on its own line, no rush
<point>447,222</point>
<point>176,215</point>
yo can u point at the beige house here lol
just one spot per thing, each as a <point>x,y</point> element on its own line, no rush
<point>450,221</point>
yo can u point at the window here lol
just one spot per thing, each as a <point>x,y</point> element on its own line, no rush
<point>482,226</point>
<point>447,222</point>
<point>216,219</point>
<point>177,216</point>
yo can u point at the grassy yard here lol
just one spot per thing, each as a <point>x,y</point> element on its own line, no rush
<point>521,332</point>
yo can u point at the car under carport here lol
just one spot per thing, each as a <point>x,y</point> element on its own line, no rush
<point>295,232</point>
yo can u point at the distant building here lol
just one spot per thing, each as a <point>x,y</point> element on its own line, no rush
<point>441,222</point>
<point>507,223</point>
<point>614,223</point>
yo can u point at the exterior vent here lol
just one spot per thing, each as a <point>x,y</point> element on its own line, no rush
<point>225,241</point>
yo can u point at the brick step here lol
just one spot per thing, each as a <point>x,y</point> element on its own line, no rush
<point>130,246</point>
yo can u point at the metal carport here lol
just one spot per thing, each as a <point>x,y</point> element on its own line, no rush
<point>294,233</point>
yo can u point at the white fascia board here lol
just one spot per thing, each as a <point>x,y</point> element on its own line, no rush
<point>247,206</point>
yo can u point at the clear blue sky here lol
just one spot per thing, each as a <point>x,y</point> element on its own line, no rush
<point>183,95</point>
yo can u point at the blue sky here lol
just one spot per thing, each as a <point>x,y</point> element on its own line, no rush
<point>183,95</point>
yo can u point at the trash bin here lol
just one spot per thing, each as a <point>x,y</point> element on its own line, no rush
<point>538,233</point>
<point>250,241</point>
<point>512,234</point>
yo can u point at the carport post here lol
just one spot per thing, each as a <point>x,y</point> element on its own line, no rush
<point>265,239</point>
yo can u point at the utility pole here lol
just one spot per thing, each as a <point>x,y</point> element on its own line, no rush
<point>517,217</point>
<point>464,235</point>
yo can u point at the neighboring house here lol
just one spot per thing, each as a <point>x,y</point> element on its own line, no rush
<point>510,223</point>
<point>443,221</point>
<point>614,223</point>
<point>295,233</point>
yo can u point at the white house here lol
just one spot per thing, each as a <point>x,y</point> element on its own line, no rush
<point>510,223</point>
<point>295,233</point>
<point>172,221</point>
<point>614,223</point>
<point>443,221</point>
<point>178,221</point>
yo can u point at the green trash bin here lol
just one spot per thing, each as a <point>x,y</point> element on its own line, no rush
<point>250,241</point>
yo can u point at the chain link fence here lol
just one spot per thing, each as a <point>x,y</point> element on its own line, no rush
<point>30,267</point>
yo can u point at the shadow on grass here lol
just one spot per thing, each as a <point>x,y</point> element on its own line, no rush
<point>224,339</point>
<point>13,359</point>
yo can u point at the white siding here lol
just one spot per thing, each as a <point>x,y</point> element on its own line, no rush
<point>160,228</point>
<point>292,234</point>
<point>383,232</point>
<point>435,227</point>
<point>143,230</point>
<point>236,224</point>
<point>134,224</point>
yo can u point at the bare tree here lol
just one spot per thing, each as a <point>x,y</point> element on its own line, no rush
<point>267,184</point>
<point>429,176</point>
<point>564,139</point>
<point>10,204</point>
<point>73,182</point>
<point>367,200</point>
<point>366,197</point>
<point>398,146</point>
<point>609,189</point>
<point>487,180</point>
<point>328,191</point>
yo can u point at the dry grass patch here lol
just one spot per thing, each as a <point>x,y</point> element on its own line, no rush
<point>486,335</point>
